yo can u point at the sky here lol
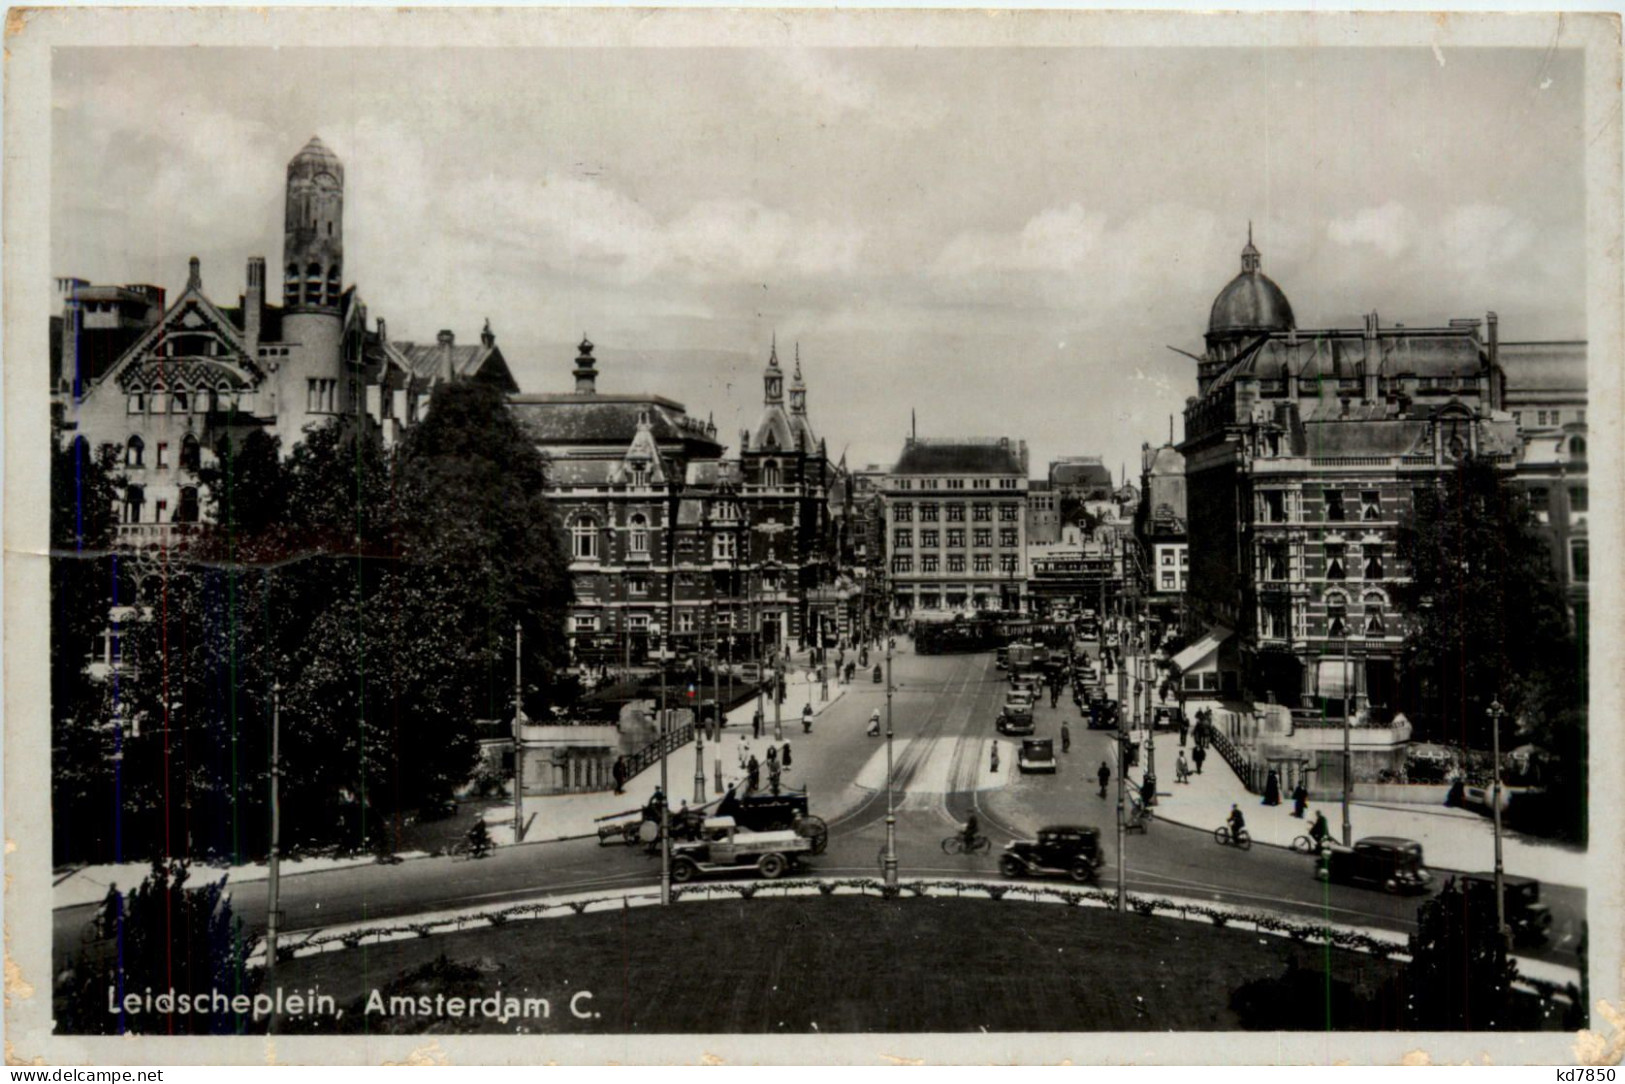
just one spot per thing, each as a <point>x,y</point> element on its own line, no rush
<point>1000,241</point>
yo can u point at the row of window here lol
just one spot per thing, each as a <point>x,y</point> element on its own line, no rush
<point>135,500</point>
<point>316,288</point>
<point>955,483</point>
<point>1540,501</point>
<point>1277,565</point>
<point>903,537</point>
<point>955,513</point>
<point>1548,417</point>
<point>584,539</point>
<point>1273,508</point>
<point>931,562</point>
<point>1275,618</point>
<point>177,402</point>
<point>687,621</point>
<point>135,453</point>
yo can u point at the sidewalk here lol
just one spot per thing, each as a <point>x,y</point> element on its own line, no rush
<point>89,884</point>
<point>1451,839</point>
<point>572,816</point>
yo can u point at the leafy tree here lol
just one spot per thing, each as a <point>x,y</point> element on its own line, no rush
<point>1490,616</point>
<point>162,937</point>
<point>1460,975</point>
<point>85,586</point>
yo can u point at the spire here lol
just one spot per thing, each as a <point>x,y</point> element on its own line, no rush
<point>488,337</point>
<point>1249,255</point>
<point>773,376</point>
<point>585,373</point>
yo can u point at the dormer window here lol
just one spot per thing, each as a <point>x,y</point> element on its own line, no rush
<point>640,475</point>
<point>638,537</point>
<point>770,470</point>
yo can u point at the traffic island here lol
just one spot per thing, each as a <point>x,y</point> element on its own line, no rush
<point>834,963</point>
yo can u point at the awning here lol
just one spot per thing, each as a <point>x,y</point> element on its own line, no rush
<point>1201,651</point>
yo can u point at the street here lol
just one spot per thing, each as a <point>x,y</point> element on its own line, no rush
<point>944,708</point>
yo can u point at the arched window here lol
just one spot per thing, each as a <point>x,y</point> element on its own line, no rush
<point>770,473</point>
<point>134,498</point>
<point>1337,609</point>
<point>187,510</point>
<point>638,536</point>
<point>191,453</point>
<point>1374,624</point>
<point>333,285</point>
<point>133,451</point>
<point>290,284</point>
<point>584,538</point>
<point>313,284</point>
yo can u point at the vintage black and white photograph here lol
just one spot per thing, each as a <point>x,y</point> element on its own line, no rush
<point>813,527</point>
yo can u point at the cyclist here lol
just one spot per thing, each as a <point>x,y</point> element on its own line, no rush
<point>1238,823</point>
<point>1320,831</point>
<point>970,831</point>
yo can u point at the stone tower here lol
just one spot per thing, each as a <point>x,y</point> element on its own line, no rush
<point>310,381</point>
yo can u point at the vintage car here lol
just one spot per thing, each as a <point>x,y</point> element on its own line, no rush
<point>1386,862</point>
<point>1070,849</point>
<point>1016,717</point>
<point>1529,919</point>
<point>723,847</point>
<point>765,812</point>
<point>1037,755</point>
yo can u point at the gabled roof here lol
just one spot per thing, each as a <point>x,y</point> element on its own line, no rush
<point>430,362</point>
<point>191,313</point>
<point>609,421</point>
<point>959,456</point>
<point>774,433</point>
<point>1544,366</point>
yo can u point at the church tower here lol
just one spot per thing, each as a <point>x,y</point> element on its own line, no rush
<point>312,290</point>
<point>800,427</point>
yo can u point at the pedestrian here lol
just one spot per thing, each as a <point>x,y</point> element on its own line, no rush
<point>806,718</point>
<point>1198,756</point>
<point>785,759</point>
<point>1272,788</point>
<point>1066,737</point>
<point>753,774</point>
<point>619,772</point>
<point>1184,729</point>
<point>874,723</point>
<point>744,752</point>
<point>1300,799</point>
<point>1104,774</point>
<point>773,777</point>
<point>1182,769</point>
<point>995,764</point>
<point>772,757</point>
<point>851,668</point>
<point>756,725</point>
<point>1148,792</point>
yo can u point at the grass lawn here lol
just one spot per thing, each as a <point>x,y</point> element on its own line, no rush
<point>841,964</point>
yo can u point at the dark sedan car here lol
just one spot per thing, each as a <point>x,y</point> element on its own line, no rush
<point>1073,850</point>
<point>1386,862</point>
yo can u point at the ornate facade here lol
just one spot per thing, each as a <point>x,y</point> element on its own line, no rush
<point>1303,449</point>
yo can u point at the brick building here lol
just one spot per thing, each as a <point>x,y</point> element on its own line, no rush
<point>1302,452</point>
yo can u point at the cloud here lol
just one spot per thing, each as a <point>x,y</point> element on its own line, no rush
<point>1389,229</point>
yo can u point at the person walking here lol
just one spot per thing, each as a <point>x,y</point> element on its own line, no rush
<point>1272,788</point>
<point>1182,769</point>
<point>1184,729</point>
<point>619,772</point>
<point>756,725</point>
<point>806,718</point>
<point>1197,756</point>
<point>785,759</point>
<point>1066,737</point>
<point>995,762</point>
<point>1300,799</point>
<point>1104,774</point>
<point>772,758</point>
<point>753,773</point>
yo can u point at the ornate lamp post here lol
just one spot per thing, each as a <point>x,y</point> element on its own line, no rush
<point>1495,712</point>
<point>1150,717</point>
<point>1348,723</point>
<point>665,799</point>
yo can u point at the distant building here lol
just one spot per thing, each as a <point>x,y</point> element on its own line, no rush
<point>1546,392</point>
<point>957,517</point>
<point>1303,449</point>
<point>1043,513</point>
<point>1160,525</point>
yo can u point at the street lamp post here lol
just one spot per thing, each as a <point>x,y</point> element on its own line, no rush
<point>1348,723</point>
<point>273,884</point>
<point>890,865</point>
<point>1496,711</point>
<point>518,741</point>
<point>1150,718</point>
<point>665,798</point>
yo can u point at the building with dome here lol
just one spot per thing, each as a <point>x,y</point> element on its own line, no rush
<point>1302,450</point>
<point>170,382</point>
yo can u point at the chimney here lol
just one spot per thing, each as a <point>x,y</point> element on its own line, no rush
<point>488,337</point>
<point>194,274</point>
<point>254,303</point>
<point>447,365</point>
<point>586,376</point>
<point>1373,359</point>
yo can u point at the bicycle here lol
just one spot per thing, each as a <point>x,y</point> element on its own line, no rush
<point>955,844</point>
<point>1305,845</point>
<point>1222,836</point>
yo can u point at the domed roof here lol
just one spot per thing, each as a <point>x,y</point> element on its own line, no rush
<point>1251,301</point>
